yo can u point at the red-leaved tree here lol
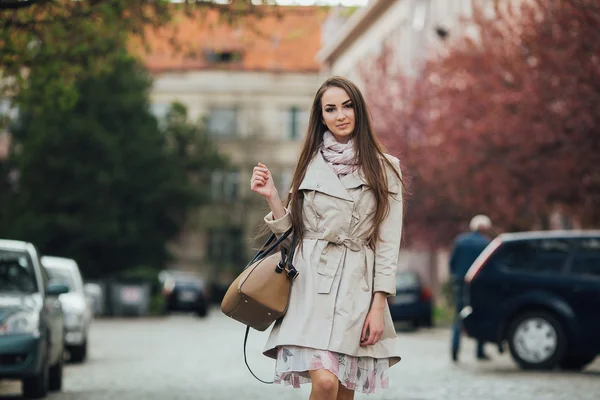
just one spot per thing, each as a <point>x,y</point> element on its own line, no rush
<point>507,124</point>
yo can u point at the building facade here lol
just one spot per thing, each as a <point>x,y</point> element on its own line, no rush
<point>253,91</point>
<point>413,28</point>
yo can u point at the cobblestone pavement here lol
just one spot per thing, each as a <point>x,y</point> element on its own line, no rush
<point>184,357</point>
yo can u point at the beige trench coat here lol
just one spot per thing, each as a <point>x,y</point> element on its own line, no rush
<point>339,273</point>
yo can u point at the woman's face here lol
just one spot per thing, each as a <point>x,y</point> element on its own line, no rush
<point>338,113</point>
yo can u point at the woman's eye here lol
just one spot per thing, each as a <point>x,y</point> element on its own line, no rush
<point>349,106</point>
<point>329,109</point>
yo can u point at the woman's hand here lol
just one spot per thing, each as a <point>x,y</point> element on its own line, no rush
<point>262,182</point>
<point>373,326</point>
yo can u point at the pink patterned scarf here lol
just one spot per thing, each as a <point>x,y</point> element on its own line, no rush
<point>341,156</point>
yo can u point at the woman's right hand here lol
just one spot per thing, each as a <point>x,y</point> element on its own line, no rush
<point>262,182</point>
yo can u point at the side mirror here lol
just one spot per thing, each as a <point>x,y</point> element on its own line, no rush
<point>56,289</point>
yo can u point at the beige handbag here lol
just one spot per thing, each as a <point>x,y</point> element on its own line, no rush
<point>260,294</point>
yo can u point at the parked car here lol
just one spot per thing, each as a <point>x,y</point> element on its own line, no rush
<point>76,307</point>
<point>540,292</point>
<point>185,293</point>
<point>94,292</point>
<point>31,321</point>
<point>413,300</point>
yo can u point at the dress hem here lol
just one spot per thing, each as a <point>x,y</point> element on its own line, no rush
<point>286,379</point>
<point>354,373</point>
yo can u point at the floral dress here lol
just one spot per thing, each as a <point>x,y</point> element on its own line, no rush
<point>361,374</point>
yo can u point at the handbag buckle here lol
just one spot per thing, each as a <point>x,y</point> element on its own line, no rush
<point>279,267</point>
<point>292,273</point>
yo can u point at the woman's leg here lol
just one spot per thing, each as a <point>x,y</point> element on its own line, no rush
<point>344,393</point>
<point>325,385</point>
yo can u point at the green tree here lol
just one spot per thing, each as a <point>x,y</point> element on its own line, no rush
<point>73,39</point>
<point>101,182</point>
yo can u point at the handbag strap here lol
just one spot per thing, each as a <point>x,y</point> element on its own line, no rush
<point>288,261</point>
<point>246,359</point>
<point>268,247</point>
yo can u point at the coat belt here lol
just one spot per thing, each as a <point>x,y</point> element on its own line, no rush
<point>332,255</point>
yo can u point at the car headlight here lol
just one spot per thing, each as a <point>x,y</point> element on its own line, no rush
<point>21,322</point>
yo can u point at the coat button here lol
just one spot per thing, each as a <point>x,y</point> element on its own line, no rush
<point>318,185</point>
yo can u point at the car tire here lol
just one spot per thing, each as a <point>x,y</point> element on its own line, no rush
<point>428,322</point>
<point>202,311</point>
<point>576,363</point>
<point>78,354</point>
<point>36,387</point>
<point>56,375</point>
<point>536,340</point>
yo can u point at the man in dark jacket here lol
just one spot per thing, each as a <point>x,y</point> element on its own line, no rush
<point>467,247</point>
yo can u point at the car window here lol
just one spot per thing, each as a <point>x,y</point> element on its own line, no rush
<point>539,255</point>
<point>17,273</point>
<point>62,275</point>
<point>405,279</point>
<point>586,260</point>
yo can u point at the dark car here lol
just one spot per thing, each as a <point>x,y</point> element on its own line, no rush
<point>185,293</point>
<point>413,300</point>
<point>540,292</point>
<point>31,321</point>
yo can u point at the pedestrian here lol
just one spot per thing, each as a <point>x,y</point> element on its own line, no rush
<point>345,207</point>
<point>467,247</point>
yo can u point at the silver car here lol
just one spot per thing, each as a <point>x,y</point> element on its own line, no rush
<point>78,312</point>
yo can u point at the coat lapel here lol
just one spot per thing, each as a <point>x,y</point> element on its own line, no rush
<point>321,177</point>
<point>353,180</point>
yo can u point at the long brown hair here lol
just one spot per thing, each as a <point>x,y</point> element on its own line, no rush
<point>369,156</point>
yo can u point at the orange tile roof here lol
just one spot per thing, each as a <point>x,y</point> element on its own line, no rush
<point>285,43</point>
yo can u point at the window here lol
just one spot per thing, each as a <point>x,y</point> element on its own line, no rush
<point>223,56</point>
<point>294,122</point>
<point>225,246</point>
<point>222,121</point>
<point>17,274</point>
<point>406,280</point>
<point>225,185</point>
<point>63,276</point>
<point>586,260</point>
<point>539,255</point>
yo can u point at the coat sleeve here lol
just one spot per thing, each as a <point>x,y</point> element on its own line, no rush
<point>280,226</point>
<point>388,246</point>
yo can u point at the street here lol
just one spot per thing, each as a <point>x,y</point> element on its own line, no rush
<point>184,357</point>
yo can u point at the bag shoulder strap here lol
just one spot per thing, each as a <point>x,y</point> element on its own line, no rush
<point>270,245</point>
<point>246,359</point>
<point>289,260</point>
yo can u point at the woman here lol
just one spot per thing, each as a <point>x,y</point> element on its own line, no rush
<point>345,206</point>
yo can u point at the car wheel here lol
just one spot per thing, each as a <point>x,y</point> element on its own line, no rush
<point>36,387</point>
<point>428,322</point>
<point>576,363</point>
<point>56,375</point>
<point>536,340</point>
<point>78,353</point>
<point>202,311</point>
